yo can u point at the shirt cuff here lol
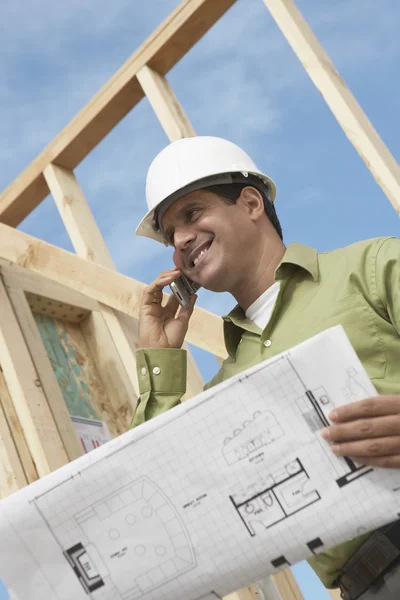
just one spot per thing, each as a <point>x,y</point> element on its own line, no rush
<point>161,370</point>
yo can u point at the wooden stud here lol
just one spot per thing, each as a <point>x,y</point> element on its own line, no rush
<point>165,104</point>
<point>77,216</point>
<point>25,389</point>
<point>161,51</point>
<point>45,371</point>
<point>30,473</point>
<point>108,287</point>
<point>335,594</point>
<point>89,243</point>
<point>286,585</point>
<point>337,95</point>
<point>12,475</point>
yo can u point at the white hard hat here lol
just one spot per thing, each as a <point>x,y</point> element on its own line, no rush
<point>190,164</point>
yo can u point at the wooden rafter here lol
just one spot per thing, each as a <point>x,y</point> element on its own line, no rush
<point>161,51</point>
<point>338,97</point>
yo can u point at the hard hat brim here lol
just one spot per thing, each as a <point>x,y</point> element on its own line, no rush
<point>146,226</point>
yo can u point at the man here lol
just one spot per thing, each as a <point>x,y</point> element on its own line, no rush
<point>208,200</point>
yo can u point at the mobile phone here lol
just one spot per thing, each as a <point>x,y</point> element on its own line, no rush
<point>183,288</point>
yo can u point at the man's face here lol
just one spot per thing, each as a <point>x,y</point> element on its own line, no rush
<point>212,239</point>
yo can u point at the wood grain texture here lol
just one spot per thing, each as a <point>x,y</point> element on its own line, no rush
<point>12,474</point>
<point>25,388</point>
<point>165,104</point>
<point>43,367</point>
<point>10,415</point>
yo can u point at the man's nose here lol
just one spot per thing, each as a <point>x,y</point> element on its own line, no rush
<point>183,237</point>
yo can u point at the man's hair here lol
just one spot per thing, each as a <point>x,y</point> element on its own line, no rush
<point>230,192</point>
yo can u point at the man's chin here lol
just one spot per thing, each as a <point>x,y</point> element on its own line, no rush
<point>214,285</point>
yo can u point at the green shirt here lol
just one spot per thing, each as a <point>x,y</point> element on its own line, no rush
<point>357,287</point>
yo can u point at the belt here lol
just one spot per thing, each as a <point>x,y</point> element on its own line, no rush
<point>370,562</point>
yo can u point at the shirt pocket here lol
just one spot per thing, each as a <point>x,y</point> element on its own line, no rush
<point>361,324</point>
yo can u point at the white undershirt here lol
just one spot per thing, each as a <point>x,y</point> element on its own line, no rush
<point>261,310</point>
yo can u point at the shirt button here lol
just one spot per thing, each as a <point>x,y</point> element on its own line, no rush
<point>156,370</point>
<point>143,371</point>
<point>267,343</point>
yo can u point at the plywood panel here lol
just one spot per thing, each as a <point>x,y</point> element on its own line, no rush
<point>80,381</point>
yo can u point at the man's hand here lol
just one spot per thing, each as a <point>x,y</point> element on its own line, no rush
<point>163,326</point>
<point>367,431</point>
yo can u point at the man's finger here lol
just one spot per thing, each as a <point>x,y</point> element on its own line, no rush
<point>155,289</point>
<point>371,407</point>
<point>363,429</point>
<point>386,446</point>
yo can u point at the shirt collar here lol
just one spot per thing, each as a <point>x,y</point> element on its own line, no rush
<point>297,256</point>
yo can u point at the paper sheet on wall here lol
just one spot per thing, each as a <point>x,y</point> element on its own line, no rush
<point>214,494</point>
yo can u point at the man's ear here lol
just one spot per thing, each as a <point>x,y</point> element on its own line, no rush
<point>252,202</point>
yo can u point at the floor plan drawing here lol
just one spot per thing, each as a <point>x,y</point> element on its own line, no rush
<point>315,406</point>
<point>216,492</point>
<point>288,493</point>
<point>255,433</point>
<point>105,548</point>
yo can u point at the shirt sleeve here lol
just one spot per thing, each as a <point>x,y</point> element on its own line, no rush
<point>162,381</point>
<point>387,279</point>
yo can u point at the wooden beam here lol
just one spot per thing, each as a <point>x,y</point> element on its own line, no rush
<point>42,287</point>
<point>108,287</point>
<point>286,585</point>
<point>30,472</point>
<point>77,216</point>
<point>12,475</point>
<point>45,371</point>
<point>176,125</point>
<point>89,243</point>
<point>337,95</point>
<point>335,594</point>
<point>161,51</point>
<point>165,104</point>
<point>25,389</point>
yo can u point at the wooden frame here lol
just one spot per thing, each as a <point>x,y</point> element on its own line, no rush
<point>28,293</point>
<point>104,285</point>
<point>16,465</point>
<point>35,433</point>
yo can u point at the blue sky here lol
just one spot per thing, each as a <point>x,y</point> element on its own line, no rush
<point>242,82</point>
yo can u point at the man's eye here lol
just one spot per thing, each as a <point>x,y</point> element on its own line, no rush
<point>192,213</point>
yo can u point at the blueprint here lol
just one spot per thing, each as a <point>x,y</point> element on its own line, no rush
<point>214,494</point>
